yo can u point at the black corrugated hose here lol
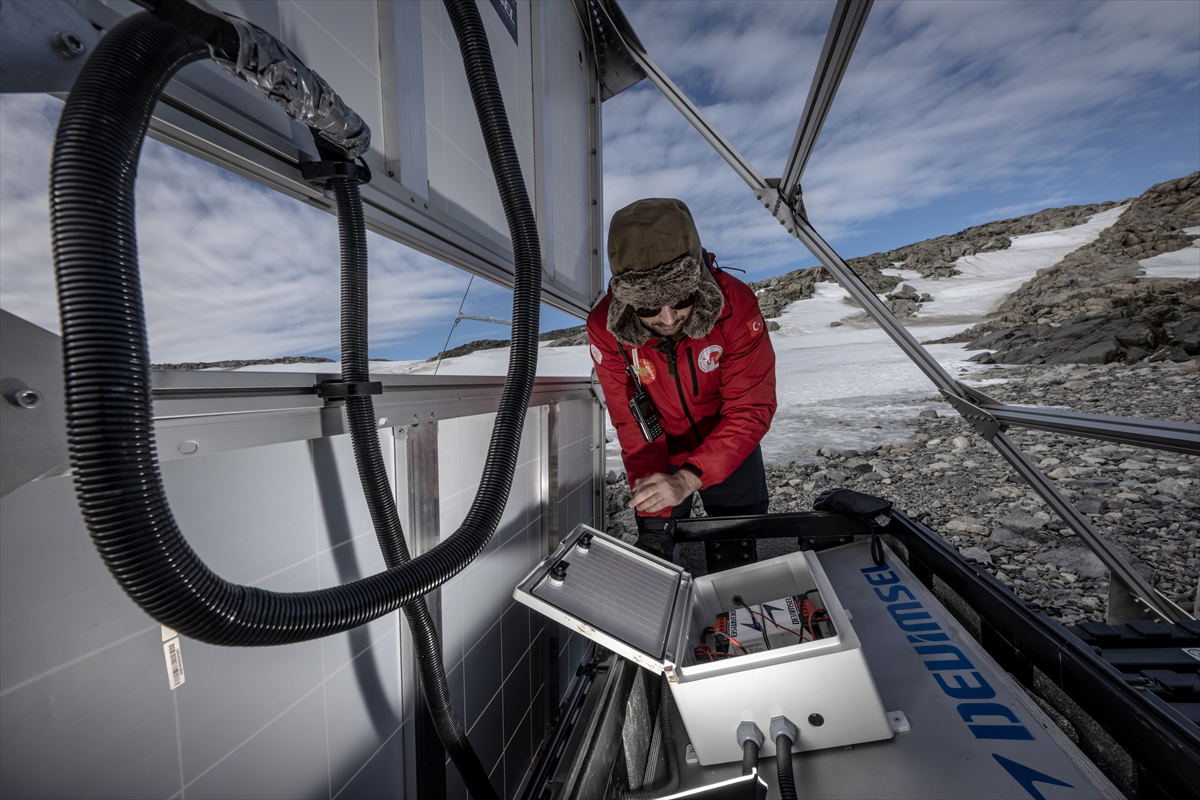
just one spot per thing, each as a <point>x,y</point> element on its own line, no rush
<point>106,358</point>
<point>783,767</point>
<point>749,756</point>
<point>668,746</point>
<point>360,411</point>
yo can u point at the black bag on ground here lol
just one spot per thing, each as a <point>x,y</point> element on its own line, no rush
<point>869,508</point>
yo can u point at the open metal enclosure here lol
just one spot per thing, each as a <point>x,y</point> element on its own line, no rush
<point>99,700</point>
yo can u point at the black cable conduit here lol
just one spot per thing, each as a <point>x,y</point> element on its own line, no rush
<point>783,767</point>
<point>749,756</point>
<point>360,411</point>
<point>106,357</point>
<point>668,746</point>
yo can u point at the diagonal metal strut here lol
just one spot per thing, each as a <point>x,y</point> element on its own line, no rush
<point>848,20</point>
<point>771,195</point>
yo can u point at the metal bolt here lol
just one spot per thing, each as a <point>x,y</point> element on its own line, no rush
<point>69,44</point>
<point>25,398</point>
<point>188,447</point>
<point>382,421</point>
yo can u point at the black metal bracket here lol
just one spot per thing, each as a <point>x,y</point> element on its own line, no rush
<point>340,390</point>
<point>984,423</point>
<point>319,173</point>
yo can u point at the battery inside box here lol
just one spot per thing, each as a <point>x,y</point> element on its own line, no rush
<point>771,625</point>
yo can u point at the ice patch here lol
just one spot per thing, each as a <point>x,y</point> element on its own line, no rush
<point>1183,263</point>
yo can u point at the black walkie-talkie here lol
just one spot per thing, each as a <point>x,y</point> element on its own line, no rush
<point>641,406</point>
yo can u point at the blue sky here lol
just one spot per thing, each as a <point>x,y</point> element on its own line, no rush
<point>951,114</point>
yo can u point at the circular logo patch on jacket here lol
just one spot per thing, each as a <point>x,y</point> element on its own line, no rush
<point>646,372</point>
<point>709,358</point>
<point>597,356</point>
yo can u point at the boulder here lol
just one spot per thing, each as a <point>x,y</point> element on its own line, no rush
<point>1021,522</point>
<point>1078,561</point>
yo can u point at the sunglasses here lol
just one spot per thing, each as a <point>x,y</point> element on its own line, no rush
<point>687,302</point>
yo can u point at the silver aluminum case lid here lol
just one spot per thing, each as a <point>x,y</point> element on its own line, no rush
<point>625,599</point>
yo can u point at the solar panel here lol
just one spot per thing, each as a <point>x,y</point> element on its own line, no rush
<point>625,595</point>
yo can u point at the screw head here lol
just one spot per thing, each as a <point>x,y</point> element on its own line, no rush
<point>69,44</point>
<point>25,398</point>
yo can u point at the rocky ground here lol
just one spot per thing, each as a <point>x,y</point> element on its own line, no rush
<point>253,362</point>
<point>1145,502</point>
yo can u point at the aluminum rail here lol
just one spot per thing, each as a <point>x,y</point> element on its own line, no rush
<point>957,395</point>
<point>1178,437</point>
<point>848,20</point>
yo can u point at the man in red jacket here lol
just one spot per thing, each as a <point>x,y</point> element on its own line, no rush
<point>693,338</point>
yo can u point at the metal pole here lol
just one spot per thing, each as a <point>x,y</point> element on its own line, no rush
<point>848,20</point>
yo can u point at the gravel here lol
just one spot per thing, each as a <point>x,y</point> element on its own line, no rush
<point>1145,502</point>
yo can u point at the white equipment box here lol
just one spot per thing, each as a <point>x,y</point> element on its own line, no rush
<point>656,614</point>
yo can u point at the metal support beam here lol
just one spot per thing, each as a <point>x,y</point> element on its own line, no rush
<point>417,476</point>
<point>1178,437</point>
<point>848,20</point>
<point>980,418</point>
<point>1082,526</point>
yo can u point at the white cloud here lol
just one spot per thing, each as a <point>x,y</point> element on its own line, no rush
<point>940,100</point>
<point>230,269</point>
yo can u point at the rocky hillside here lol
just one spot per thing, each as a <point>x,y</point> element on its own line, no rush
<point>254,362</point>
<point>1094,308</point>
<point>932,258</point>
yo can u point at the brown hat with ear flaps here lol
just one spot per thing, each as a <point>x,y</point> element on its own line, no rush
<point>655,256</point>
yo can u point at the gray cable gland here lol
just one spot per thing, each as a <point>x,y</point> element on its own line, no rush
<point>784,725</point>
<point>749,732</point>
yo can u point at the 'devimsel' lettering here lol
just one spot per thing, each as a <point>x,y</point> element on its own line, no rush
<point>908,616</point>
<point>970,711</point>
<point>892,595</point>
<point>956,661</point>
<point>961,690</point>
<point>883,579</point>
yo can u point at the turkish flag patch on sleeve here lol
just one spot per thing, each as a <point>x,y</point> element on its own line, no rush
<point>756,326</point>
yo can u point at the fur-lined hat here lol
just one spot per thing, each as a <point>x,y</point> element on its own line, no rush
<point>655,255</point>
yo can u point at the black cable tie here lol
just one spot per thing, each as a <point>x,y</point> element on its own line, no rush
<point>319,173</point>
<point>338,390</point>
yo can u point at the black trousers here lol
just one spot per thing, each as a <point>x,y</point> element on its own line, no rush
<point>743,493</point>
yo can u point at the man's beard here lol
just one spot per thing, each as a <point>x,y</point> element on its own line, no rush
<point>667,333</point>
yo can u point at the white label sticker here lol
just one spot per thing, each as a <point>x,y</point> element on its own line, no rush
<point>168,634</point>
<point>174,663</point>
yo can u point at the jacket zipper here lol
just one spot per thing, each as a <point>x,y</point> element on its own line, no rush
<point>669,351</point>
<point>692,367</point>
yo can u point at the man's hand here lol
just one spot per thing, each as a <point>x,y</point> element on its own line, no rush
<point>661,491</point>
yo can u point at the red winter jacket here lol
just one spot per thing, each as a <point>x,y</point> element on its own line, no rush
<point>715,396</point>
